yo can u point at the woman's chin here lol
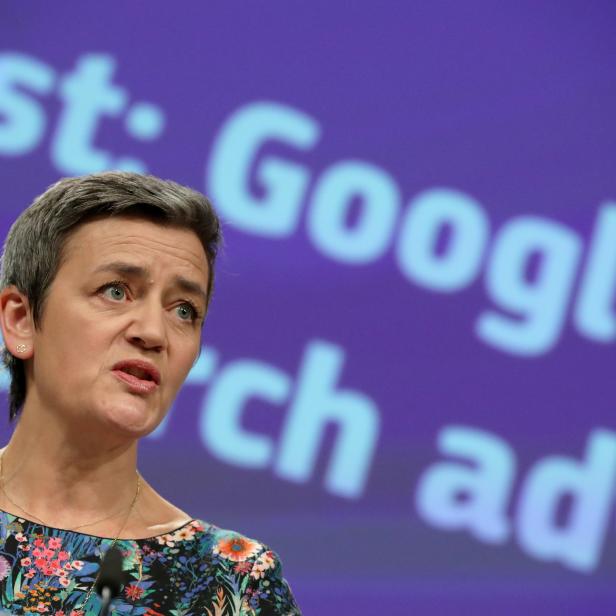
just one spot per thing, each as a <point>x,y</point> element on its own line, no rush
<point>131,420</point>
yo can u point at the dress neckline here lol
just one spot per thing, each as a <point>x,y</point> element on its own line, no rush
<point>21,519</point>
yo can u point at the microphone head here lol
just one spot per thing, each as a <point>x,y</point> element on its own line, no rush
<point>111,572</point>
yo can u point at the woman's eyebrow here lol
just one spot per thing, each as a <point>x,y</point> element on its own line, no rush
<point>190,286</point>
<point>122,267</point>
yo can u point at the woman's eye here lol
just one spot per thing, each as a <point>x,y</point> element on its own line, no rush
<point>115,291</point>
<point>186,312</point>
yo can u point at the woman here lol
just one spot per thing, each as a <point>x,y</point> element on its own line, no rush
<point>106,281</point>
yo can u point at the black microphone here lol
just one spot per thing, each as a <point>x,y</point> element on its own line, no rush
<point>109,580</point>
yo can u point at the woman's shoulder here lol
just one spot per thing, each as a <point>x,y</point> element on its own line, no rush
<point>223,542</point>
<point>245,570</point>
<point>222,548</point>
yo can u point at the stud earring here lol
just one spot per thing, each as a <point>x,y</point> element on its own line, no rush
<point>21,348</point>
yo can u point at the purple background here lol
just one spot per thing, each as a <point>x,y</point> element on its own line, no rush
<point>512,103</point>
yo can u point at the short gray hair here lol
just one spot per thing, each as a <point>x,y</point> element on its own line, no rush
<point>33,249</point>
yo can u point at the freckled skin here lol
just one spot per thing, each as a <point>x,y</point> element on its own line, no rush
<point>85,331</point>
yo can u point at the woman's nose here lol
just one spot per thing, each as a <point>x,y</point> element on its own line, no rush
<point>147,326</point>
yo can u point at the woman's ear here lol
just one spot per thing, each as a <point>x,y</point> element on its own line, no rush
<point>16,322</point>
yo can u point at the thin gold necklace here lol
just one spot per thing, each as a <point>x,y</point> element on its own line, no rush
<point>74,528</point>
<point>130,510</point>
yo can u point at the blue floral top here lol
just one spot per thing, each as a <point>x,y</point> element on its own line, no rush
<point>196,570</point>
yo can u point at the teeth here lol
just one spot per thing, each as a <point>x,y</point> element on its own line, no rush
<point>139,373</point>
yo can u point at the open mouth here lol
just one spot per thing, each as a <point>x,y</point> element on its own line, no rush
<point>139,375</point>
<point>134,383</point>
<point>140,369</point>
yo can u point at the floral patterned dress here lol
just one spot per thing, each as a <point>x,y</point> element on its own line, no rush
<point>197,570</point>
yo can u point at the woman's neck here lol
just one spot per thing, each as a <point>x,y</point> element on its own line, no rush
<point>76,478</point>
<point>65,480</point>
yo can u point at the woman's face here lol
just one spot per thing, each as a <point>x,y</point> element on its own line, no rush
<point>127,289</point>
